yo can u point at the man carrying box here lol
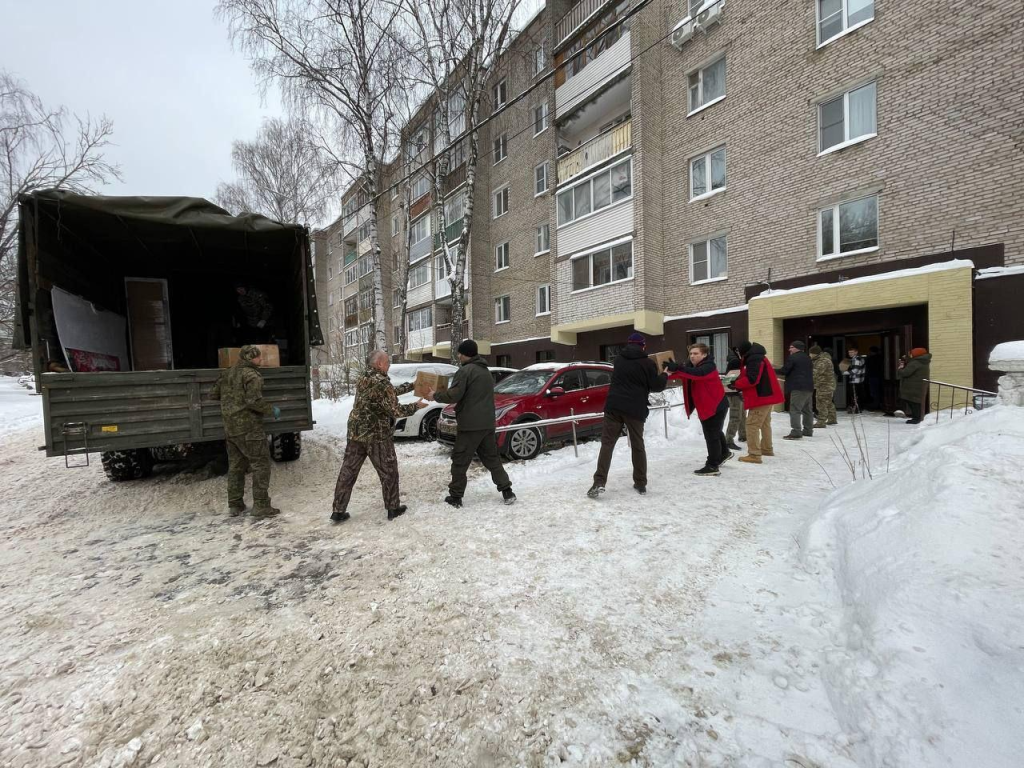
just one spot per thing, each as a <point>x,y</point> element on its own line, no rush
<point>472,391</point>
<point>371,430</point>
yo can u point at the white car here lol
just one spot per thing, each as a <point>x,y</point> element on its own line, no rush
<point>423,423</point>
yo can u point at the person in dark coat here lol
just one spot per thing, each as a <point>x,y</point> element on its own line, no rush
<point>761,392</point>
<point>472,391</point>
<point>799,374</point>
<point>737,414</point>
<point>913,388</point>
<point>703,392</point>
<point>634,377</point>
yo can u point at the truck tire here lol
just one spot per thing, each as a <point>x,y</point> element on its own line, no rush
<point>286,446</point>
<point>127,465</point>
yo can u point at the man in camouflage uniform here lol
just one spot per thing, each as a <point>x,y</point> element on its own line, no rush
<point>371,429</point>
<point>824,386</point>
<point>240,392</point>
<point>254,313</point>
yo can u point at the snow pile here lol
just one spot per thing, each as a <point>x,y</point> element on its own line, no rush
<point>19,407</point>
<point>927,661</point>
<point>331,417</point>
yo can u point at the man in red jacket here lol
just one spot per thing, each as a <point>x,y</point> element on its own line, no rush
<point>761,391</point>
<point>703,392</point>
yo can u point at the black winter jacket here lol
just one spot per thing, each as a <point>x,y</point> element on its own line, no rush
<point>799,373</point>
<point>472,391</point>
<point>635,376</point>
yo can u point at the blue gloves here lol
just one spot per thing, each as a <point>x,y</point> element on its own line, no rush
<point>277,412</point>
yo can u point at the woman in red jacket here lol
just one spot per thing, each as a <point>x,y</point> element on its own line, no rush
<point>703,392</point>
<point>761,391</point>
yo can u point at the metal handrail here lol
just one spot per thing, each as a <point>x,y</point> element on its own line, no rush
<point>952,400</point>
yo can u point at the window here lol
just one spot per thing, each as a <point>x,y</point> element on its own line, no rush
<point>538,59</point>
<point>330,299</point>
<point>707,173</point>
<point>501,202</point>
<point>420,186</point>
<point>501,260</point>
<point>440,268</point>
<point>545,355</point>
<point>848,228</point>
<point>366,298</point>
<point>500,94</point>
<point>394,192</point>
<point>543,239</point>
<point>330,324</point>
<point>709,260</point>
<point>351,338</point>
<point>847,119</point>
<point>707,85</point>
<point>597,192</point>
<point>395,298</point>
<point>838,16</point>
<point>364,232</point>
<point>540,179</point>
<point>540,118</point>
<point>598,377</point>
<point>420,319</point>
<point>502,309</point>
<point>419,231</point>
<point>610,351</point>
<point>609,265</point>
<point>395,226</point>
<point>599,37</point>
<point>351,306</point>
<point>398,335</point>
<point>503,361</point>
<point>419,275</point>
<point>500,148</point>
<point>330,272</point>
<point>570,381</point>
<point>543,300</point>
<point>456,113</point>
<point>718,343</point>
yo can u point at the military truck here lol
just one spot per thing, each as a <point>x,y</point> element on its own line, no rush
<point>130,304</point>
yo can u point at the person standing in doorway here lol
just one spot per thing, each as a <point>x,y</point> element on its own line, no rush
<point>240,392</point>
<point>761,391</point>
<point>703,392</point>
<point>799,374</point>
<point>855,375</point>
<point>737,415</point>
<point>472,391</point>
<point>824,387</point>
<point>913,387</point>
<point>634,377</point>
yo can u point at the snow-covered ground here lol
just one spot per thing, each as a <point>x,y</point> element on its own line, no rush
<point>758,619</point>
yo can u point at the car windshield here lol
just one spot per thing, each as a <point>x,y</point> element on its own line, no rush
<point>523,383</point>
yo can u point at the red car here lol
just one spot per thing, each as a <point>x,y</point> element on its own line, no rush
<point>542,391</point>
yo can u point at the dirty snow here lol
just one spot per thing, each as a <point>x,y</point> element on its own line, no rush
<point>759,619</point>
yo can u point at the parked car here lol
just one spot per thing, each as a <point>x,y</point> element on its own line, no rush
<point>423,423</point>
<point>539,392</point>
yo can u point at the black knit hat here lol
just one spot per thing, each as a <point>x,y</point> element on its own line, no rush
<point>468,348</point>
<point>798,345</point>
<point>744,347</point>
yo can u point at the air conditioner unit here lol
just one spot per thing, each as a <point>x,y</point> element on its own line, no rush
<point>710,16</point>
<point>683,33</point>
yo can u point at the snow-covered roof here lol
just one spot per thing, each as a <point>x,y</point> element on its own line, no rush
<point>984,274</point>
<point>520,341</point>
<point>545,366</point>
<point>709,313</point>
<point>940,267</point>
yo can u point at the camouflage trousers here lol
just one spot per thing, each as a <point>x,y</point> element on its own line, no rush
<point>737,419</point>
<point>826,405</point>
<point>248,453</point>
<point>382,456</point>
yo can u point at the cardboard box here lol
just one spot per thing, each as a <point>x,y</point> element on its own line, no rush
<point>270,356</point>
<point>661,357</point>
<point>426,380</point>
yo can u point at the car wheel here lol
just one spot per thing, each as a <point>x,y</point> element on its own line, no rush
<point>428,426</point>
<point>524,443</point>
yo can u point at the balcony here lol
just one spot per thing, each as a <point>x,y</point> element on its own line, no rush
<point>597,150</point>
<point>418,250</point>
<point>584,86</point>
<point>444,333</point>
<point>420,340</point>
<point>452,231</point>
<point>577,16</point>
<point>454,180</point>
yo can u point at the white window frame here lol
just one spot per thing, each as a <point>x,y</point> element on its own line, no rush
<point>330,271</point>
<point>589,253</point>
<point>545,291</point>
<point>707,249</point>
<point>502,143</point>
<point>498,194</point>
<point>330,299</point>
<point>836,244</point>
<point>589,180</point>
<point>502,251</point>
<point>539,59</point>
<point>498,305</point>
<point>422,266</point>
<point>412,194</point>
<point>395,302</point>
<point>847,141</point>
<point>422,318</point>
<point>700,77</point>
<point>545,167</point>
<point>500,93</point>
<point>545,113</point>
<point>847,29</point>
<point>546,238</point>
<point>413,226</point>
<point>396,226</point>
<point>706,157</point>
<point>394,192</point>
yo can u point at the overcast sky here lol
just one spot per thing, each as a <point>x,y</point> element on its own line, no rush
<point>164,72</point>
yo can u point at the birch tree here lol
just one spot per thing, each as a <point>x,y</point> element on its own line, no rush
<point>341,61</point>
<point>456,42</point>
<point>40,148</point>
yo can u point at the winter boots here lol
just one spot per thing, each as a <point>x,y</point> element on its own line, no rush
<point>750,459</point>
<point>707,471</point>
<point>508,496</point>
<point>595,491</point>
<point>453,501</point>
<point>397,511</point>
<point>339,517</point>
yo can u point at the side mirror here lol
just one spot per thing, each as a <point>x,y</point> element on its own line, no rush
<point>555,392</point>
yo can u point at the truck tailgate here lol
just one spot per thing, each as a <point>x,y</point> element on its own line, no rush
<point>147,409</point>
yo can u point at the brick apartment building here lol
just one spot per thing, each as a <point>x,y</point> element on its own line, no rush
<point>832,170</point>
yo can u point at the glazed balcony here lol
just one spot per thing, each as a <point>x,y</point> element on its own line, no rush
<point>596,151</point>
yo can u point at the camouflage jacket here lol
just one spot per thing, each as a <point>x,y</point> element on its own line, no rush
<point>373,416</point>
<point>255,307</point>
<point>240,391</point>
<point>824,373</point>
